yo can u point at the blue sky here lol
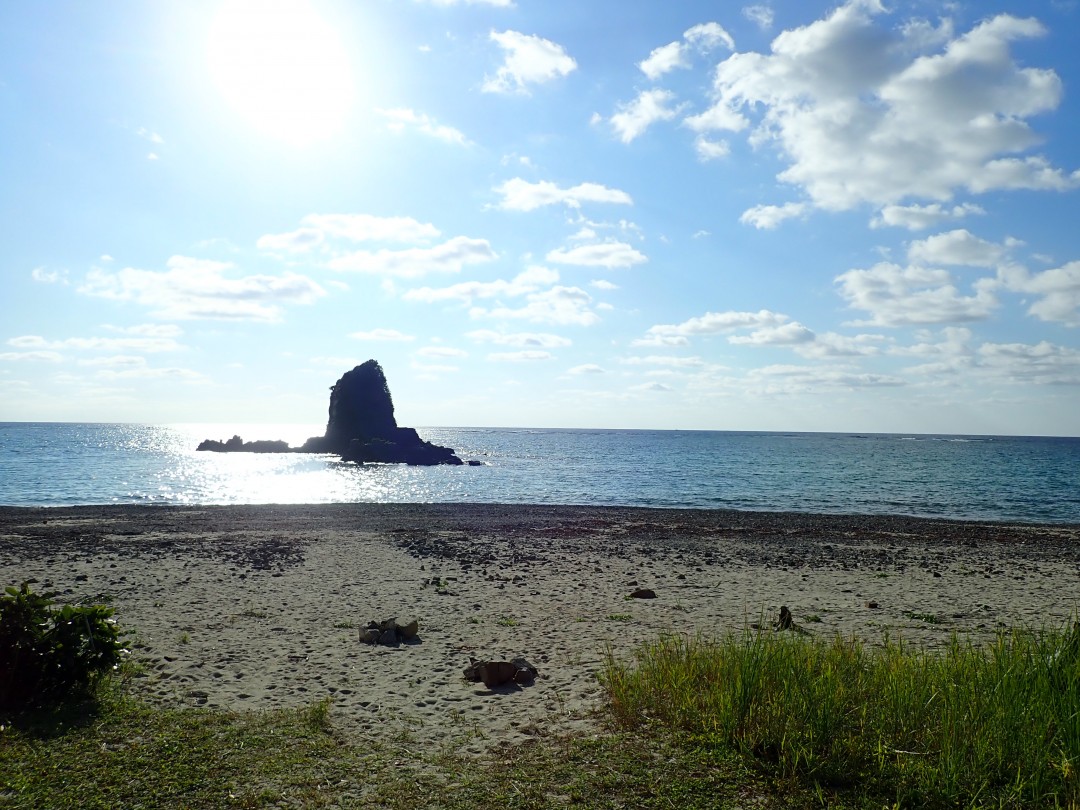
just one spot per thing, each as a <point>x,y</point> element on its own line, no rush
<point>549,213</point>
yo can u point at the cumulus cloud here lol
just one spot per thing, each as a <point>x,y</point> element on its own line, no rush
<point>560,306</point>
<point>712,323</point>
<point>382,335</point>
<point>761,16</point>
<point>788,334</point>
<point>525,356</point>
<point>1058,290</point>
<point>45,276</point>
<point>921,217</point>
<point>586,368</point>
<point>440,352</point>
<point>32,357</point>
<point>1043,363</point>
<point>400,119</point>
<point>791,379</point>
<point>203,289</point>
<point>955,247</point>
<point>522,340</point>
<point>667,360</point>
<point>768,217</point>
<point>316,229</point>
<point>527,281</point>
<point>611,255</point>
<point>708,149</point>
<point>528,59</point>
<point>905,296</point>
<point>867,112</point>
<point>666,58</point>
<point>449,257</point>
<point>521,195</point>
<point>650,106</point>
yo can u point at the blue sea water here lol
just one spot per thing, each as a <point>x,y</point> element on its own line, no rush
<point>1030,479</point>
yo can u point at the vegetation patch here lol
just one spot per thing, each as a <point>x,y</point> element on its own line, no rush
<point>970,726</point>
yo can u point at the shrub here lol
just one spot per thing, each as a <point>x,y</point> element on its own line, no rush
<point>48,654</point>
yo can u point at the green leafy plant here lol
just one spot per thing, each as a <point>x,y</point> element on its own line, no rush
<point>49,653</point>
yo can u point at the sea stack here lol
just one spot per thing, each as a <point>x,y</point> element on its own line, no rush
<point>361,427</point>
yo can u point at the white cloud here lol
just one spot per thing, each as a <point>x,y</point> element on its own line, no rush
<point>761,16</point>
<point>710,150</point>
<point>528,59</point>
<point>586,368</point>
<point>792,379</point>
<point>955,247</point>
<point>603,254</point>
<point>603,284</point>
<point>1041,364</point>
<point>559,305</point>
<point>865,112</point>
<point>399,119</point>
<point>529,280</point>
<point>666,58</point>
<point>316,229</point>
<point>788,334</point>
<point>521,340</point>
<point>149,343</point>
<point>186,375</point>
<point>921,217</point>
<point>45,276</point>
<point>201,289</point>
<point>1058,290</point>
<point>31,357</point>
<point>449,257</point>
<point>706,36</point>
<point>904,296</point>
<point>830,345</point>
<point>526,356</point>
<point>767,217</point>
<point>652,386</point>
<point>663,60</point>
<point>382,335</point>
<point>650,106</point>
<point>657,340</point>
<point>712,323</point>
<point>521,195</point>
<point>669,361</point>
<point>440,352</point>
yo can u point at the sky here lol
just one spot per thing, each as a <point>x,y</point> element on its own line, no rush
<point>788,215</point>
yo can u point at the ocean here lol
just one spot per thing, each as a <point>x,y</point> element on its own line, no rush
<point>1002,478</point>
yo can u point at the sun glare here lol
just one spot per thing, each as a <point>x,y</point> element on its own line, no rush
<point>282,67</point>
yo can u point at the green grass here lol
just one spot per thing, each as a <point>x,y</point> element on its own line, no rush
<point>507,621</point>
<point>756,719</point>
<point>996,726</point>
<point>118,752</point>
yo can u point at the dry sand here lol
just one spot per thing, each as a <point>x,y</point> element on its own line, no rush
<point>261,606</point>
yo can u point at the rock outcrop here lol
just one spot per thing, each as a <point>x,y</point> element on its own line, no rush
<point>361,427</point>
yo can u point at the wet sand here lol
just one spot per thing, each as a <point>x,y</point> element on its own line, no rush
<point>256,607</point>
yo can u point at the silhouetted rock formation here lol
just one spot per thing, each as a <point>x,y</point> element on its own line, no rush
<point>238,445</point>
<point>361,427</point>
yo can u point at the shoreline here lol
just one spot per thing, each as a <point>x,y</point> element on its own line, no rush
<point>255,607</point>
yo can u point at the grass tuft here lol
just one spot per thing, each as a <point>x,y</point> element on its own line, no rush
<point>997,725</point>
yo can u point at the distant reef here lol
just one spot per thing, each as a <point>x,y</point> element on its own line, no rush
<point>361,427</point>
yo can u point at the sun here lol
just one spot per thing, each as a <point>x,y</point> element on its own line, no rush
<point>282,67</point>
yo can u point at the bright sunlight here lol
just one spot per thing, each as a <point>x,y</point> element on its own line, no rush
<point>282,67</point>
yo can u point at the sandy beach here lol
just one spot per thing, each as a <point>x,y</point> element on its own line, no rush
<point>257,607</point>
